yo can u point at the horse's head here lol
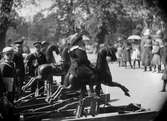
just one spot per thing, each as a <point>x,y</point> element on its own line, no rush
<point>49,53</point>
<point>44,71</point>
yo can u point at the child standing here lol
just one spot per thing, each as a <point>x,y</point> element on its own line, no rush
<point>136,56</point>
<point>119,54</point>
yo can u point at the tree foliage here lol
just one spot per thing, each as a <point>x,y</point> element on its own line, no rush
<point>101,20</point>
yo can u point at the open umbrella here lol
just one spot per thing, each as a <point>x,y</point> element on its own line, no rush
<point>136,37</point>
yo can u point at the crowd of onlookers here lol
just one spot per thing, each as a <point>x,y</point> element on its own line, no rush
<point>15,66</point>
<point>149,52</point>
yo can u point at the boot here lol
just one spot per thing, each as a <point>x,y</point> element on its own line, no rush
<point>150,68</point>
<point>159,68</point>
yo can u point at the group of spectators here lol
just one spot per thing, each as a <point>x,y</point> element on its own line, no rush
<point>150,52</point>
<point>14,68</point>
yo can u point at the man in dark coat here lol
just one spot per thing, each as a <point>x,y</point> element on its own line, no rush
<point>19,65</point>
<point>34,60</point>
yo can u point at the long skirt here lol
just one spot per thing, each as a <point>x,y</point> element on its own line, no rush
<point>164,75</point>
<point>156,60</point>
<point>147,56</point>
<point>163,55</point>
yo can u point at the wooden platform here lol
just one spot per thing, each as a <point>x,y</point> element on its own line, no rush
<point>133,116</point>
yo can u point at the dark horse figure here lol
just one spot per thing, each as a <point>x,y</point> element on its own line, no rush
<point>102,75</point>
<point>46,71</point>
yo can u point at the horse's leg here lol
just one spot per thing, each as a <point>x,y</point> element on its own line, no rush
<point>80,109</point>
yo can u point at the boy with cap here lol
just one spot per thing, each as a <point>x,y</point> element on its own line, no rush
<point>8,79</point>
<point>19,64</point>
<point>7,69</point>
<point>34,60</point>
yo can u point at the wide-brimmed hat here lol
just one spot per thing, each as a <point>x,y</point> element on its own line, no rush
<point>8,50</point>
<point>19,41</point>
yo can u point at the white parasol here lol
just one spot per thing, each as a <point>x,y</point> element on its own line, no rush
<point>136,37</point>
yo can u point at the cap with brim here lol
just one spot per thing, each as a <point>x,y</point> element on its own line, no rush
<point>44,43</point>
<point>76,39</point>
<point>36,43</point>
<point>18,42</point>
<point>8,50</point>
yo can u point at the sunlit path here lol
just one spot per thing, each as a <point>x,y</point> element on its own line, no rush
<point>144,86</point>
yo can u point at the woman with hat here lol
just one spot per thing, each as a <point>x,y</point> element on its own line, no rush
<point>146,51</point>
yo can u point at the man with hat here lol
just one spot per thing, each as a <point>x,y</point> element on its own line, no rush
<point>19,64</point>
<point>7,68</point>
<point>34,60</point>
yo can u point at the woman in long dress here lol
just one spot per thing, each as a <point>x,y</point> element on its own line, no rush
<point>146,52</point>
<point>156,61</point>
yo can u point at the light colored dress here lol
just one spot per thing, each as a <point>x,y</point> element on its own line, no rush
<point>136,54</point>
<point>156,60</point>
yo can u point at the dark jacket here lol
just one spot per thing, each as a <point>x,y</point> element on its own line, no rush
<point>19,66</point>
<point>8,71</point>
<point>33,61</point>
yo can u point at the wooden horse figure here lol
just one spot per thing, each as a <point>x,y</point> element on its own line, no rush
<point>46,71</point>
<point>102,75</point>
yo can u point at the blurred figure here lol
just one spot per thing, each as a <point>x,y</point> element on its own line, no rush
<point>164,75</point>
<point>158,38</point>
<point>136,56</point>
<point>146,45</point>
<point>34,60</point>
<point>164,78</point>
<point>119,54</point>
<point>19,65</point>
<point>163,53</point>
<point>8,79</point>
<point>127,54</point>
<point>156,62</point>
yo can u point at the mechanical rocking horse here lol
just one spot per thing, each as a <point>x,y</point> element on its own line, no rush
<point>46,71</point>
<point>101,75</point>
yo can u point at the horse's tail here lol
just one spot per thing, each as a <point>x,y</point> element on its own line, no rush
<point>49,55</point>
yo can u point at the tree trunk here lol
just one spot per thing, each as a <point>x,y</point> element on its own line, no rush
<point>6,6</point>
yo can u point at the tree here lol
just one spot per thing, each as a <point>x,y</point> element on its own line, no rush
<point>5,9</point>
